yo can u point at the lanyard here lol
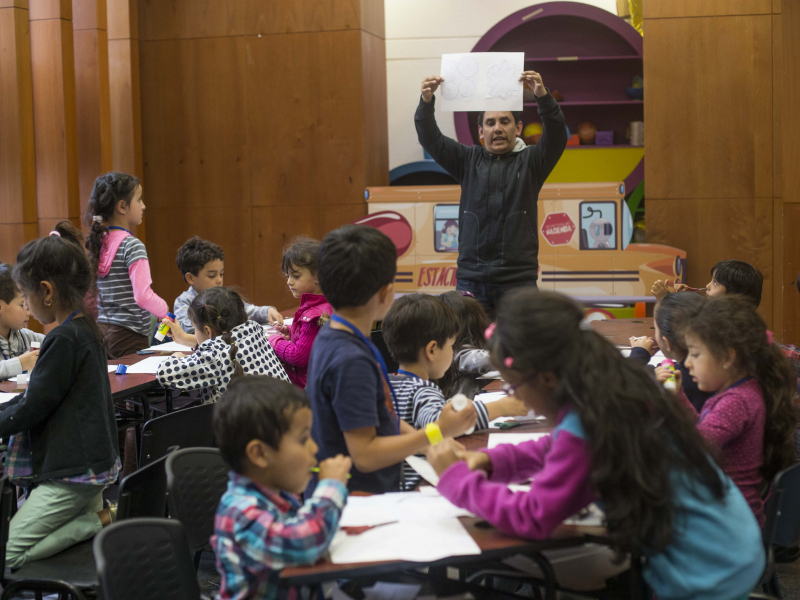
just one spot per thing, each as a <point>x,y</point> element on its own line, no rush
<point>117,227</point>
<point>72,315</point>
<point>407,373</point>
<point>379,358</point>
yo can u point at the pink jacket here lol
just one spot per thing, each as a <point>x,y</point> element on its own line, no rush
<point>295,351</point>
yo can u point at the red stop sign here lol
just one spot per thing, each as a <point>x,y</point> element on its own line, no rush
<point>558,229</point>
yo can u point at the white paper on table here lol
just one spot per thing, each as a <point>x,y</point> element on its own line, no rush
<point>111,369</point>
<point>170,347</point>
<point>384,590</point>
<point>487,397</point>
<point>417,541</point>
<point>6,396</point>
<point>481,81</point>
<point>491,375</point>
<point>496,439</point>
<point>148,366</point>
<point>270,330</point>
<point>361,511</point>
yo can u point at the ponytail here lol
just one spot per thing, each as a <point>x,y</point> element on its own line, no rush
<point>108,190</point>
<point>238,370</point>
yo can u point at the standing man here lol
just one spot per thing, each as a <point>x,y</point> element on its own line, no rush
<point>498,239</point>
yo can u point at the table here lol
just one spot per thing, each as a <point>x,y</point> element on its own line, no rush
<point>619,331</point>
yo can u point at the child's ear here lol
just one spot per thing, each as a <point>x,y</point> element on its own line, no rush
<point>668,343</point>
<point>209,333</point>
<point>257,452</point>
<point>430,349</point>
<point>730,358</point>
<point>121,207</point>
<point>188,278</point>
<point>386,292</point>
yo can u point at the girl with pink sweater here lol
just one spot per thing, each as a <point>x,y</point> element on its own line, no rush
<point>751,419</point>
<point>293,344</point>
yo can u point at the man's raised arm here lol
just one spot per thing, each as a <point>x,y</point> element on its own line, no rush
<point>551,145</point>
<point>447,153</point>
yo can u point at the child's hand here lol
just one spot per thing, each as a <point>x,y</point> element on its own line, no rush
<point>275,317</point>
<point>28,360</point>
<point>681,287</point>
<point>453,423</point>
<point>286,333</point>
<point>443,454</point>
<point>511,407</point>
<point>177,355</point>
<point>178,334</point>
<point>476,461</point>
<point>663,373</point>
<point>336,467</point>
<point>659,289</point>
<point>645,342</point>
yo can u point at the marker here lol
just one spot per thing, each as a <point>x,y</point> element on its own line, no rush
<point>316,470</point>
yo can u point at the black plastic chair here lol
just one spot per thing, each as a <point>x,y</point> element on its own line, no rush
<point>141,559</point>
<point>187,428</point>
<point>143,493</point>
<point>782,525</point>
<point>196,480</point>
<point>66,573</point>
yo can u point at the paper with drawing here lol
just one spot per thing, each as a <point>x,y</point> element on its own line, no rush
<point>481,81</point>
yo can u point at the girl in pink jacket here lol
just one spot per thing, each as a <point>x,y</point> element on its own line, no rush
<point>293,344</point>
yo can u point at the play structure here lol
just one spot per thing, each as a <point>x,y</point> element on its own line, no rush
<point>584,231</point>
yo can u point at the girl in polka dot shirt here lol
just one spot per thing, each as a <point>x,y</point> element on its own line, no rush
<point>750,421</point>
<point>228,346</point>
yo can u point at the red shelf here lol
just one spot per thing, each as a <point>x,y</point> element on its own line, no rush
<point>591,102</point>
<point>581,58</point>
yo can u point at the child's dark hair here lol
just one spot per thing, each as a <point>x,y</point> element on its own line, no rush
<point>61,262</point>
<point>195,254</point>
<point>638,435</point>
<point>671,312</point>
<point>108,190</point>
<point>473,322</point>
<point>450,223</point>
<point>355,262</point>
<point>739,277</point>
<point>731,322</point>
<point>413,322</point>
<point>302,252</point>
<point>8,289</point>
<point>221,309</point>
<point>254,408</point>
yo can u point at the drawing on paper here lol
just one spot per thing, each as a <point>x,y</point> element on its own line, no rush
<point>459,84</point>
<point>503,81</point>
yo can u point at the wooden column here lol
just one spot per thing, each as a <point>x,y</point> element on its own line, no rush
<point>17,159</point>
<point>54,117</point>
<point>91,93</point>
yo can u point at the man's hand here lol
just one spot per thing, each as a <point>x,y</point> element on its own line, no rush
<point>533,81</point>
<point>429,86</point>
<point>28,360</point>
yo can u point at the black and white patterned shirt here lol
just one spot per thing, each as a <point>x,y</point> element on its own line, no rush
<point>210,368</point>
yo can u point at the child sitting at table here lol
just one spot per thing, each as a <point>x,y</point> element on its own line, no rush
<point>229,346</point>
<point>751,420</point>
<point>618,439</point>
<point>262,427</point>
<point>201,262</point>
<point>15,338</point>
<point>293,344</point>
<point>470,356</point>
<point>63,434</point>
<point>348,382</point>
<point>669,314</point>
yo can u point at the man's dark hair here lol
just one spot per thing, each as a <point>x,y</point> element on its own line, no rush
<point>739,277</point>
<point>516,113</point>
<point>195,254</point>
<point>413,322</point>
<point>8,289</point>
<point>254,407</point>
<point>354,262</point>
<point>302,252</point>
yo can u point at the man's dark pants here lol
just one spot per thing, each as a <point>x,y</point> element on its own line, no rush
<point>489,294</point>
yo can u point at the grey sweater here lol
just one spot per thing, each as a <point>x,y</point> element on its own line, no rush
<point>17,344</point>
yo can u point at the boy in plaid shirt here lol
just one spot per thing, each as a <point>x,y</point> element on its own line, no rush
<point>263,429</point>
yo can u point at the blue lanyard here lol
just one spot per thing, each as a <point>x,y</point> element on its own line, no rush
<point>72,315</point>
<point>116,227</point>
<point>380,360</point>
<point>408,373</point>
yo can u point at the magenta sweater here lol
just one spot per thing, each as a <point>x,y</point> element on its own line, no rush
<point>733,421</point>
<point>295,351</point>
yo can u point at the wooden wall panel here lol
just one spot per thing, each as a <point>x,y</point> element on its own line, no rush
<point>54,112</point>
<point>790,269</point>
<point>17,157</point>
<point>375,119</point>
<point>709,125</point>
<point>660,9</point>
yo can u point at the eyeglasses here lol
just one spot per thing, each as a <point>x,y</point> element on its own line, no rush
<point>467,294</point>
<point>510,388</point>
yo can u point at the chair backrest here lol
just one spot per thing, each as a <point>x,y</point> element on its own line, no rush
<point>8,496</point>
<point>187,428</point>
<point>141,559</point>
<point>196,480</point>
<point>377,338</point>
<point>143,493</point>
<point>782,525</point>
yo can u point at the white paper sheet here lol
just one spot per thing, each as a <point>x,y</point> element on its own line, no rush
<point>488,397</point>
<point>111,369</point>
<point>481,81</point>
<point>6,396</point>
<point>384,590</point>
<point>170,347</point>
<point>148,366</point>
<point>362,511</point>
<point>491,375</point>
<point>270,330</point>
<point>496,439</point>
<point>418,541</point>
